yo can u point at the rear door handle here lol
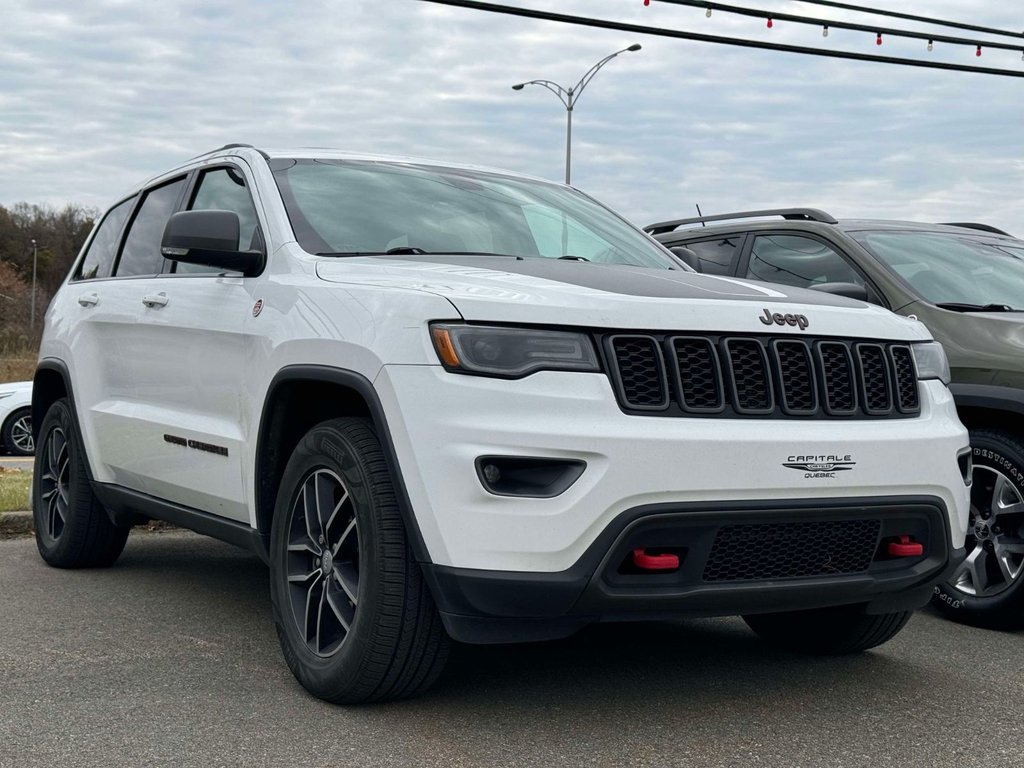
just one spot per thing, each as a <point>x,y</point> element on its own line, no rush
<point>89,299</point>
<point>154,300</point>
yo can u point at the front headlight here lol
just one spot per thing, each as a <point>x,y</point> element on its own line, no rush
<point>511,352</point>
<point>931,361</point>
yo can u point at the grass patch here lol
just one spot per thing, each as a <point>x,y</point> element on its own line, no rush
<point>21,368</point>
<point>14,485</point>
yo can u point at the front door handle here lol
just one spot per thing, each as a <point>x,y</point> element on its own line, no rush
<point>89,299</point>
<point>155,300</point>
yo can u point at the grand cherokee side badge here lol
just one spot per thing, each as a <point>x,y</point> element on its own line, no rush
<point>800,321</point>
<point>820,466</point>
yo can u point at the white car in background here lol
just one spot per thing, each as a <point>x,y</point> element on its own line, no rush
<point>16,418</point>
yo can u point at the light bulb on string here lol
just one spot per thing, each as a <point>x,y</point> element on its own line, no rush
<point>931,45</point>
<point>770,23</point>
<point>878,40</point>
<point>708,13</point>
<point>978,52</point>
<point>824,31</point>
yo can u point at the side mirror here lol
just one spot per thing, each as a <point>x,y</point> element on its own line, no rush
<point>849,290</point>
<point>688,257</point>
<point>209,238</point>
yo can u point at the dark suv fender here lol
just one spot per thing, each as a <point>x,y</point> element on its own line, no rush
<point>987,398</point>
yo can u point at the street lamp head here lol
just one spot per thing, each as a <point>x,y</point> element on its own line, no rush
<point>518,87</point>
<point>634,47</point>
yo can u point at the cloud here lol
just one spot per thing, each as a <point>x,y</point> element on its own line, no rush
<point>95,96</point>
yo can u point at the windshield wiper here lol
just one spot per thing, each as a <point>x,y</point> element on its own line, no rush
<point>569,257</point>
<point>957,306</point>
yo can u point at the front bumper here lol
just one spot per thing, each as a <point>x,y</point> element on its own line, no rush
<point>442,422</point>
<point>489,607</point>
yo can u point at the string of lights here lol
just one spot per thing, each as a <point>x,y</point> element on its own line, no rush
<point>679,34</point>
<point>912,17</point>
<point>825,25</point>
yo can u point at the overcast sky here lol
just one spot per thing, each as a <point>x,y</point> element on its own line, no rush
<point>96,96</point>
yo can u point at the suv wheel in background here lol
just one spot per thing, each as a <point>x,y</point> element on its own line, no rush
<point>987,590</point>
<point>17,433</point>
<point>353,613</point>
<point>73,529</point>
<point>827,631</point>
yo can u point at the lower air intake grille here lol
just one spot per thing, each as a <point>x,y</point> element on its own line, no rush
<point>789,550</point>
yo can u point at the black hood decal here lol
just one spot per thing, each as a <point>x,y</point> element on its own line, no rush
<point>637,281</point>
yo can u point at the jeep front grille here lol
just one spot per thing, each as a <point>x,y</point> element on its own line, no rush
<point>761,376</point>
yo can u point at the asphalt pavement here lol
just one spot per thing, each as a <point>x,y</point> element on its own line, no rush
<point>170,659</point>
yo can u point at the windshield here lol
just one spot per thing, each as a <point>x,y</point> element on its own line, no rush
<point>953,268</point>
<point>354,207</point>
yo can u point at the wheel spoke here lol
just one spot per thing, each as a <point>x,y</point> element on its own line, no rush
<point>999,510</point>
<point>312,614</point>
<point>974,567</point>
<point>344,536</point>
<point>1006,568</point>
<point>302,578</point>
<point>334,515</point>
<point>325,507</point>
<point>1010,544</point>
<point>344,612</point>
<point>348,579</point>
<point>313,529</point>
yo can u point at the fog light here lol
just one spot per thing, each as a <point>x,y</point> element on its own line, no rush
<point>527,476</point>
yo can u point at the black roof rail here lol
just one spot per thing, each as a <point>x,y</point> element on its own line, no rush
<point>975,225</point>
<point>791,214</point>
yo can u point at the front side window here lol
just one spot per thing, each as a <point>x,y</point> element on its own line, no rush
<point>99,259</point>
<point>342,207</point>
<point>948,268</point>
<point>141,252</point>
<point>798,261</point>
<point>716,256</point>
<point>224,189</point>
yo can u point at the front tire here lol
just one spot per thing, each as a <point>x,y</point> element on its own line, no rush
<point>828,631</point>
<point>987,590</point>
<point>17,433</point>
<point>354,616</point>
<point>73,529</point>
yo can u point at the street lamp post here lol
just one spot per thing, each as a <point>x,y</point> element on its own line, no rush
<point>569,97</point>
<point>35,259</point>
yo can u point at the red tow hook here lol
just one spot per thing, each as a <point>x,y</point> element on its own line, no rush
<point>647,562</point>
<point>905,547</point>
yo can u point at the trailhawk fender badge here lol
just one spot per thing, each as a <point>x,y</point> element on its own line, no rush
<point>800,321</point>
<point>820,466</point>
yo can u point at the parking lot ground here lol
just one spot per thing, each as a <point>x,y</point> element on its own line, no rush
<point>170,658</point>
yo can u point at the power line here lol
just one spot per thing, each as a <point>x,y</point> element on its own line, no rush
<point>720,39</point>
<point>912,17</point>
<point>827,24</point>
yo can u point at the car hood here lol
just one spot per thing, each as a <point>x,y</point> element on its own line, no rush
<point>16,386</point>
<point>555,292</point>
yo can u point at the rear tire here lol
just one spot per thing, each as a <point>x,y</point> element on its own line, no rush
<point>17,433</point>
<point>353,613</point>
<point>73,529</point>
<point>828,631</point>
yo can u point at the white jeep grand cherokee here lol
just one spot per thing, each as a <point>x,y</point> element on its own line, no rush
<point>446,402</point>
